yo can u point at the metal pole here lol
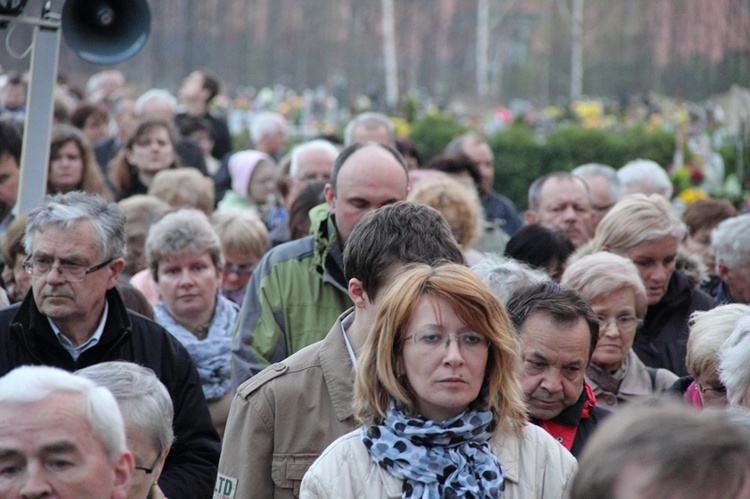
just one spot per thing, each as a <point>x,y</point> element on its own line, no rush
<point>38,127</point>
<point>37,130</point>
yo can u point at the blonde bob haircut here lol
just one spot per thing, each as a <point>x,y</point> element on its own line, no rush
<point>709,330</point>
<point>635,219</point>
<point>458,204</point>
<point>600,274</point>
<point>377,381</point>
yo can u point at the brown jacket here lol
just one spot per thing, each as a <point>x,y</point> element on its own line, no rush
<point>283,418</point>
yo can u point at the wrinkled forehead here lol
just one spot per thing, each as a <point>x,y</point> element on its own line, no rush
<point>571,190</point>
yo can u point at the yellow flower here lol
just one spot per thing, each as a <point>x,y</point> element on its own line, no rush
<point>689,196</point>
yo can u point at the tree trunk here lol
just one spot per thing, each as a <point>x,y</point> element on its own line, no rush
<point>389,55</point>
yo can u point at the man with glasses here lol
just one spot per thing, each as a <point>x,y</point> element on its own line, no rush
<point>73,317</point>
<point>311,162</point>
<point>558,333</point>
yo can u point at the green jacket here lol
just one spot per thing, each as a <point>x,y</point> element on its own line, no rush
<point>295,294</point>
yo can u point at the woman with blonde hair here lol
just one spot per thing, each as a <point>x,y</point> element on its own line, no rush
<point>611,285</point>
<point>442,408</point>
<point>244,240</point>
<point>460,207</point>
<point>646,230</point>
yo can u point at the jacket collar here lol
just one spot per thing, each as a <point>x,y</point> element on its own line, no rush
<point>37,334</point>
<point>338,371</point>
<point>328,254</point>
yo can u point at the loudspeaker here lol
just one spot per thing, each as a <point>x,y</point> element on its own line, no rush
<point>106,31</point>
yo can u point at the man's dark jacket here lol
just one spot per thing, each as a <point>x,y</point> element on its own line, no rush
<point>26,338</point>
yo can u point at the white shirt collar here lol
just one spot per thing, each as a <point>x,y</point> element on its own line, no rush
<point>74,351</point>
<point>346,322</point>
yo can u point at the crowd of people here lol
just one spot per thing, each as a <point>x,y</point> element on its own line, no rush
<point>332,318</point>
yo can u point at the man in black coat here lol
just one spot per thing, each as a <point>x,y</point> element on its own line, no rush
<point>73,317</point>
<point>558,332</point>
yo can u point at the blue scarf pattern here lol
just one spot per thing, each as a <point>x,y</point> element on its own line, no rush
<point>212,356</point>
<point>446,459</point>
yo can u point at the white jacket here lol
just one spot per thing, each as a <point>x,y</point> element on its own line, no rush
<point>536,466</point>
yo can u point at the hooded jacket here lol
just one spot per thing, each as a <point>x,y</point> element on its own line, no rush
<point>294,296</point>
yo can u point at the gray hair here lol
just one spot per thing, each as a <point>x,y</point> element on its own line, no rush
<point>504,275</point>
<point>313,145</point>
<point>731,242</point>
<point>182,231</point>
<point>456,146</point>
<point>645,176</point>
<point>30,384</point>
<point>266,123</point>
<point>370,121</point>
<point>709,329</point>
<point>734,369</point>
<point>144,401</point>
<point>67,210</point>
<point>154,94</point>
<point>535,189</point>
<point>591,170</point>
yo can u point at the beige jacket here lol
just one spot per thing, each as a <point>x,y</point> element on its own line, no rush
<point>284,417</point>
<point>636,385</point>
<point>536,466</point>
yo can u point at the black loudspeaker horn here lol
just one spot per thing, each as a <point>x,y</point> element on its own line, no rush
<point>106,31</point>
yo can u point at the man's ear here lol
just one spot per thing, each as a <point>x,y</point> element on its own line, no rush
<point>722,270</point>
<point>330,198</point>
<point>115,268</point>
<point>529,217</point>
<point>124,467</point>
<point>358,294</point>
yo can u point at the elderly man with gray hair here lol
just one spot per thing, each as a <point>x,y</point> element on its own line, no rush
<point>60,436</point>
<point>370,127</point>
<point>731,244</point>
<point>147,412</point>
<point>604,186</point>
<point>311,162</point>
<point>73,317</point>
<point>646,177</point>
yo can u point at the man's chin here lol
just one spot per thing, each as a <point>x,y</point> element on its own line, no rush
<point>544,411</point>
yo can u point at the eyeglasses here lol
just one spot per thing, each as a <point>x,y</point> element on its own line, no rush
<point>431,342</point>
<point>71,272</point>
<point>240,270</point>
<point>624,323</point>
<point>714,392</point>
<point>150,470</point>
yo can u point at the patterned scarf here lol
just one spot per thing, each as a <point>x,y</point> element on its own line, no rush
<point>212,355</point>
<point>446,459</point>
